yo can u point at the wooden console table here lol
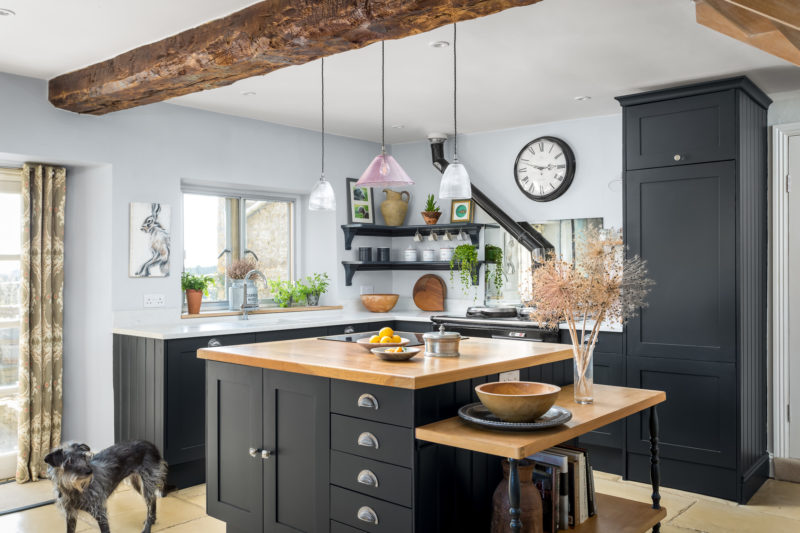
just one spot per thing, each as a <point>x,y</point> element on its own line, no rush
<point>614,515</point>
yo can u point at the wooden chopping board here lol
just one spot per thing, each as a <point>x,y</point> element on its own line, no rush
<point>430,292</point>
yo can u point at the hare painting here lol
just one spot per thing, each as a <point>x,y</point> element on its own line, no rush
<point>149,252</point>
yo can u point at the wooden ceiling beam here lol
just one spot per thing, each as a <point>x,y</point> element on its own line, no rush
<point>786,12</point>
<point>257,40</point>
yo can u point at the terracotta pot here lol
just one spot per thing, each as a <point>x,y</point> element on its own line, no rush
<point>394,208</point>
<point>193,300</point>
<point>530,502</point>
<point>431,217</point>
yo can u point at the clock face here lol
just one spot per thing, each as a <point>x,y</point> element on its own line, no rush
<point>544,168</point>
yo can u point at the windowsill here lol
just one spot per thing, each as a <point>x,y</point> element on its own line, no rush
<point>262,311</point>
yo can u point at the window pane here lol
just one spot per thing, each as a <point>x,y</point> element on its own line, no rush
<point>10,221</point>
<point>268,229</point>
<point>204,238</point>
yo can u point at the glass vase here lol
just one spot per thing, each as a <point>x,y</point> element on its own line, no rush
<point>583,375</point>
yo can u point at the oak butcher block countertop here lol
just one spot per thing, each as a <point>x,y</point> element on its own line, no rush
<point>348,361</point>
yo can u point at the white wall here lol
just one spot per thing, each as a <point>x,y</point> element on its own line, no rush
<point>141,155</point>
<point>784,109</point>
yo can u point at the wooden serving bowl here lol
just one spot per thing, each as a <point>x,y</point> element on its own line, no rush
<point>518,401</point>
<point>395,356</point>
<point>379,303</point>
<point>370,345</point>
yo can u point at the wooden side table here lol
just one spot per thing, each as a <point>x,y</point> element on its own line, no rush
<point>614,515</point>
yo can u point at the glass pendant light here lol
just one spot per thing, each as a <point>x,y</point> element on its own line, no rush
<point>455,180</point>
<point>384,171</point>
<point>322,197</point>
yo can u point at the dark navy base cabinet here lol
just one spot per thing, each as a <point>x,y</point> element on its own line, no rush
<point>695,208</point>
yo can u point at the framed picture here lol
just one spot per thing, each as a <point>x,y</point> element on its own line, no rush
<point>462,211</point>
<point>149,240</point>
<point>360,203</point>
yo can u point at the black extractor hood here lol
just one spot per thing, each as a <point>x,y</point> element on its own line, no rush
<point>523,232</point>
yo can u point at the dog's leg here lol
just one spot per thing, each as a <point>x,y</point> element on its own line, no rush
<point>72,522</point>
<point>151,513</point>
<point>102,519</point>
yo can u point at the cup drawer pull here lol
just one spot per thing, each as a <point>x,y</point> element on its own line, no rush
<point>368,401</point>
<point>366,514</point>
<point>368,440</point>
<point>367,477</point>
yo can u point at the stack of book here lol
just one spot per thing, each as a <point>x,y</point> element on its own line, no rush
<point>565,480</point>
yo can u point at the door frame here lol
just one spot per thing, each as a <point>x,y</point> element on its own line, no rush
<point>780,285</point>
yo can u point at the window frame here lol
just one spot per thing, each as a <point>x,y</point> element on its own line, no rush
<point>242,195</point>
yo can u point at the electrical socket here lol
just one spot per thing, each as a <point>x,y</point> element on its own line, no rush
<point>367,289</point>
<point>511,375</point>
<point>154,300</point>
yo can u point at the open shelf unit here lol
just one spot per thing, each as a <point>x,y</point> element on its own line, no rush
<point>351,267</point>
<point>373,230</point>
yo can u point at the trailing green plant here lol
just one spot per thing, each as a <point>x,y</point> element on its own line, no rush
<point>465,260</point>
<point>318,283</point>
<point>192,282</point>
<point>430,205</point>
<point>494,258</point>
<point>281,291</point>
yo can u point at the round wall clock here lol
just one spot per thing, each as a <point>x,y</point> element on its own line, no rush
<point>544,168</point>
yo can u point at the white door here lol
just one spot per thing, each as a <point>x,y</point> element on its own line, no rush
<point>794,297</point>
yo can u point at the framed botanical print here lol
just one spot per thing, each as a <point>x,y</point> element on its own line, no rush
<point>462,211</point>
<point>360,203</point>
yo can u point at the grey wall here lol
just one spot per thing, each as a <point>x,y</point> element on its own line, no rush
<point>785,109</point>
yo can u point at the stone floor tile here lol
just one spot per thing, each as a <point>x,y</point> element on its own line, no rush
<point>641,493</point>
<point>14,495</point>
<point>606,475</point>
<point>201,525</point>
<point>126,513</point>
<point>777,497</point>
<point>195,495</point>
<point>38,520</point>
<point>713,517</point>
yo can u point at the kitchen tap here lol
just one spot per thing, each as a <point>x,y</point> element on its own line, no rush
<point>245,306</point>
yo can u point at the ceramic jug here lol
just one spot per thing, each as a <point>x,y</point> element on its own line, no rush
<point>394,208</point>
<point>529,499</point>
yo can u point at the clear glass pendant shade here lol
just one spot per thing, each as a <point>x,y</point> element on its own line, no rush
<point>384,171</point>
<point>455,182</point>
<point>322,197</point>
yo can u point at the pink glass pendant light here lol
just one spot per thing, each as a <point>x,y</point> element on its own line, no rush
<point>384,171</point>
<point>322,197</point>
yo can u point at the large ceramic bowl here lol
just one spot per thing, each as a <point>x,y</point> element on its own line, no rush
<point>518,401</point>
<point>379,303</point>
<point>405,355</point>
<point>364,343</point>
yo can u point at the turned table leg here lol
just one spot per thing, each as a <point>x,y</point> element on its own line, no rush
<point>513,496</point>
<point>655,474</point>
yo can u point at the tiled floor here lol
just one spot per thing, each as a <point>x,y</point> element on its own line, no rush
<point>775,508</point>
<point>13,496</point>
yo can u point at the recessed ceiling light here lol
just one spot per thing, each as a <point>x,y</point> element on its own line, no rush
<point>248,93</point>
<point>6,12</point>
<point>440,44</point>
<point>398,126</point>
<point>582,98</point>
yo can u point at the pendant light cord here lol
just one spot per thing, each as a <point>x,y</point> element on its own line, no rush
<point>455,95</point>
<point>322,77</point>
<point>383,98</point>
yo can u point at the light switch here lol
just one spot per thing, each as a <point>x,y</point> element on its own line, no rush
<point>511,375</point>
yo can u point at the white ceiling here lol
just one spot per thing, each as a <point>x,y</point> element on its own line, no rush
<point>521,66</point>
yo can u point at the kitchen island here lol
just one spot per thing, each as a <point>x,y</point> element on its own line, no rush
<point>314,435</point>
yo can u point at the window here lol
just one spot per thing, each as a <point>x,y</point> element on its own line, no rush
<point>220,227</point>
<point>10,308</point>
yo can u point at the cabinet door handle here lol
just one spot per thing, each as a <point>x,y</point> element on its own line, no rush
<point>258,452</point>
<point>214,343</point>
<point>367,477</point>
<point>368,440</point>
<point>677,157</point>
<point>349,329</point>
<point>368,400</point>
<point>366,514</point>
<point>254,452</point>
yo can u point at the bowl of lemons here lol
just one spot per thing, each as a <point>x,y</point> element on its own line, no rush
<point>385,338</point>
<point>397,353</point>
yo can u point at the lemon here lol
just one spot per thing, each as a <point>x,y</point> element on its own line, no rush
<point>396,338</point>
<point>375,338</point>
<point>385,340</point>
<point>386,332</point>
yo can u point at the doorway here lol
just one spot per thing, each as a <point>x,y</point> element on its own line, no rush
<point>793,417</point>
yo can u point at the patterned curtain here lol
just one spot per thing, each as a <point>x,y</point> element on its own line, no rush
<point>40,340</point>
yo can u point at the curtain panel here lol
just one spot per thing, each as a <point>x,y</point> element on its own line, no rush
<point>40,342</point>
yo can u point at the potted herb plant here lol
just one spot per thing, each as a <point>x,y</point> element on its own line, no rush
<point>494,267</point>
<point>299,293</point>
<point>281,292</point>
<point>195,286</point>
<point>465,260</point>
<point>432,212</point>
<point>317,285</point>
<point>236,271</point>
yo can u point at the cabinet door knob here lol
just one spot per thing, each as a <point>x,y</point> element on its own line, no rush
<point>368,400</point>
<point>258,452</point>
<point>677,157</point>
<point>368,440</point>
<point>254,452</point>
<point>349,329</point>
<point>367,477</point>
<point>214,343</point>
<point>366,514</point>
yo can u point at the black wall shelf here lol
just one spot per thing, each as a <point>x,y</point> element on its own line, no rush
<point>374,230</point>
<point>351,267</point>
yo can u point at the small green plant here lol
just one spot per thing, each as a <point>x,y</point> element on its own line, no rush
<point>494,258</point>
<point>430,205</point>
<point>299,292</point>
<point>191,282</point>
<point>318,283</point>
<point>281,291</point>
<point>465,260</point>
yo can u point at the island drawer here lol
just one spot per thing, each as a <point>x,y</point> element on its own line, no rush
<point>338,527</point>
<point>373,440</point>
<point>373,478</point>
<point>369,514</point>
<point>373,402</point>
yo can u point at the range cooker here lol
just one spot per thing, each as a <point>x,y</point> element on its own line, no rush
<point>497,323</point>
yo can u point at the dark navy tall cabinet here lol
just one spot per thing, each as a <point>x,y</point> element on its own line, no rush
<point>695,207</point>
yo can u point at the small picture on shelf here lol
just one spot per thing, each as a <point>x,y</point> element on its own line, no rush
<point>461,211</point>
<point>360,203</point>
